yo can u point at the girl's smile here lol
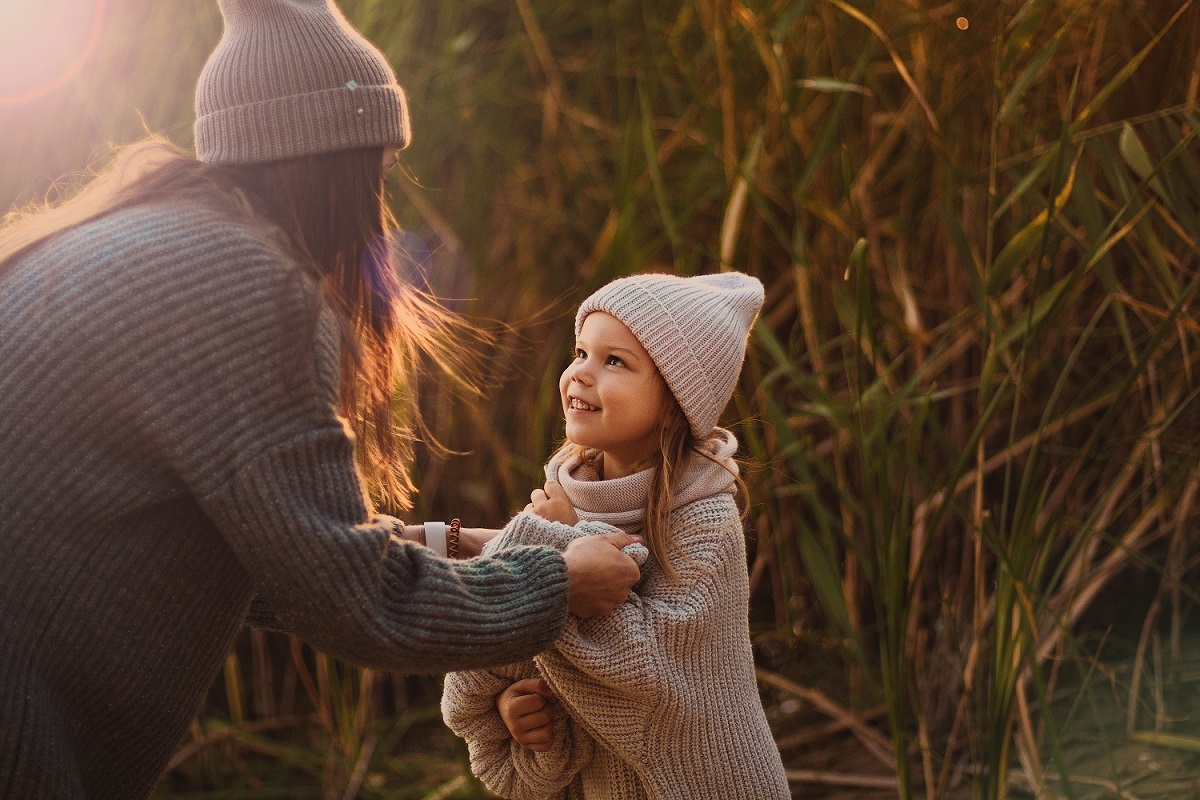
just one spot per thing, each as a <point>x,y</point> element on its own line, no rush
<point>612,395</point>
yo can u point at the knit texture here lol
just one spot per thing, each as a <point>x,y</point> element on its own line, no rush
<point>659,699</point>
<point>169,446</point>
<point>294,78</point>
<point>694,330</point>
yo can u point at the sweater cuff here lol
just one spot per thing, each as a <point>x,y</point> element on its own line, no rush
<point>469,701</point>
<point>485,610</point>
<point>528,528</point>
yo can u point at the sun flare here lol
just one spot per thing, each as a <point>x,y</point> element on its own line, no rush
<point>44,44</point>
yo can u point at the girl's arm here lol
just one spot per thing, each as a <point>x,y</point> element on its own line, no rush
<point>636,650</point>
<point>527,528</point>
<point>630,663</point>
<point>505,767</point>
<point>665,684</point>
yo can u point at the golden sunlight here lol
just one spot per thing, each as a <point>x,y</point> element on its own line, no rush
<point>45,43</point>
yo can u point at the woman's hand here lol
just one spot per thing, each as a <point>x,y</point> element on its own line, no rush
<point>525,708</point>
<point>551,503</point>
<point>599,575</point>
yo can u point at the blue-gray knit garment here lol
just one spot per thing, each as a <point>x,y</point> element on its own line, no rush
<point>169,447</point>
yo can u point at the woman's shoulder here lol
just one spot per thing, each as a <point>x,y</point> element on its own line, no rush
<point>187,248</point>
<point>168,251</point>
<point>185,270</point>
<point>191,229</point>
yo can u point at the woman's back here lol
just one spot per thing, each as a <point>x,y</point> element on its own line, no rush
<point>130,343</point>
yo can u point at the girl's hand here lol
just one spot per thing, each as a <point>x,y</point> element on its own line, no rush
<point>525,708</point>
<point>551,503</point>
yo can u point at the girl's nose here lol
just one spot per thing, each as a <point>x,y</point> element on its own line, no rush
<point>581,372</point>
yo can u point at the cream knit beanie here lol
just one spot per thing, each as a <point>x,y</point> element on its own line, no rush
<point>694,329</point>
<point>294,78</point>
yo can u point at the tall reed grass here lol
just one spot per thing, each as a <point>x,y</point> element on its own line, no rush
<point>968,408</point>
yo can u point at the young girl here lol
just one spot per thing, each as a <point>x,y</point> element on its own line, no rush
<point>658,700</point>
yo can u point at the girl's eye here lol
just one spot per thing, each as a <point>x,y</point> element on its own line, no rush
<point>615,361</point>
<point>579,355</point>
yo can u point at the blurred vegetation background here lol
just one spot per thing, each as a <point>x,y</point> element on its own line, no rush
<point>968,413</point>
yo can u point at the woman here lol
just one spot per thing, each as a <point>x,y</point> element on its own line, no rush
<point>196,396</point>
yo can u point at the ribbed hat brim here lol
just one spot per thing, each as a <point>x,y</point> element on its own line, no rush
<point>313,123</point>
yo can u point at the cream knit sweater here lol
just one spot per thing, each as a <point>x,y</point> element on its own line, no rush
<point>657,700</point>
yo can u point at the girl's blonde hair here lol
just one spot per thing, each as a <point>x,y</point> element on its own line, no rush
<point>676,443</point>
<point>328,214</point>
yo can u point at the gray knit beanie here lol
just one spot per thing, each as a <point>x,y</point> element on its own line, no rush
<point>294,78</point>
<point>694,329</point>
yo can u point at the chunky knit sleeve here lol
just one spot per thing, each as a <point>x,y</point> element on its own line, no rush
<point>505,767</point>
<point>664,686</point>
<point>634,649</point>
<point>616,673</point>
<point>528,528</point>
<point>351,589</point>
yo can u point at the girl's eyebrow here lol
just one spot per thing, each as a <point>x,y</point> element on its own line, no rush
<point>581,345</point>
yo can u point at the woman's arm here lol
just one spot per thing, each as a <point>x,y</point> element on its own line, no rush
<point>471,543</point>
<point>353,590</point>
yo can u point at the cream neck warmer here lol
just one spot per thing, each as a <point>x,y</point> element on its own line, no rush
<point>621,502</point>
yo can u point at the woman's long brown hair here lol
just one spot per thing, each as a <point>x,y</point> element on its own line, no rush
<point>329,215</point>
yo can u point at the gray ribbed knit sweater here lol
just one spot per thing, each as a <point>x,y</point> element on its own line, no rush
<point>169,446</point>
<point>659,699</point>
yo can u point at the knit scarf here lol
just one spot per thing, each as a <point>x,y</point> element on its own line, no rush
<point>621,502</point>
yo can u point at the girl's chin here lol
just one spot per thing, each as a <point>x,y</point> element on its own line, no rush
<point>578,437</point>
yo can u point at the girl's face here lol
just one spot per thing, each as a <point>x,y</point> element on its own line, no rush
<point>612,395</point>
